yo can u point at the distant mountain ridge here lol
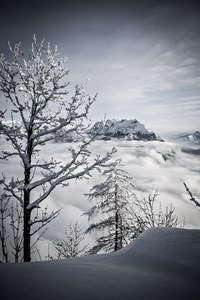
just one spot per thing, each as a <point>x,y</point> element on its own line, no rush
<point>190,137</point>
<point>123,129</point>
<point>190,142</point>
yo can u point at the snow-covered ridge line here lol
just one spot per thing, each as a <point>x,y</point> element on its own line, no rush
<point>193,137</point>
<point>123,129</point>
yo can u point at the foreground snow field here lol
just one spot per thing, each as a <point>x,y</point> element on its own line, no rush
<point>162,263</point>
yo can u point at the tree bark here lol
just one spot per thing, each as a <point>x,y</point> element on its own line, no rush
<point>27,212</point>
<point>27,240</point>
<point>116,221</point>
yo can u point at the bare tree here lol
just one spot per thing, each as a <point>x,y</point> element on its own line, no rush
<point>4,214</point>
<point>71,246</point>
<point>11,241</point>
<point>16,216</point>
<point>145,213</point>
<point>11,214</point>
<point>36,91</point>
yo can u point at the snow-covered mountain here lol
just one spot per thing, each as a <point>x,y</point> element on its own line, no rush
<point>123,129</point>
<point>188,137</point>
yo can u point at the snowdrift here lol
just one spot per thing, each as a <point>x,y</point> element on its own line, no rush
<point>162,263</point>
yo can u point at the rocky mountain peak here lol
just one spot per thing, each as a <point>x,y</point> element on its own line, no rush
<point>123,129</point>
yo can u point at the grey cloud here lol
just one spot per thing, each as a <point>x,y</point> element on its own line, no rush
<point>137,54</point>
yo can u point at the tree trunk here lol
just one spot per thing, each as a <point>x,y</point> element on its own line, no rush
<point>116,221</point>
<point>116,231</point>
<point>120,237</point>
<point>27,240</point>
<point>27,212</point>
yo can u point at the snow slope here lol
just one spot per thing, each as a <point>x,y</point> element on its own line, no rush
<point>162,263</point>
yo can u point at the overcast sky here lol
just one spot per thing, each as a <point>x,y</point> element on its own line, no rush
<point>142,56</point>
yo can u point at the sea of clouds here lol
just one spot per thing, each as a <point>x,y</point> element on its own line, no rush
<point>161,166</point>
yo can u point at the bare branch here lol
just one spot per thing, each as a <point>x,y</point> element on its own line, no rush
<point>16,223</point>
<point>3,216</point>
<point>44,219</point>
<point>190,193</point>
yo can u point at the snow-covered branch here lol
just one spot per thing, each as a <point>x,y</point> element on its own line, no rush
<point>44,219</point>
<point>36,88</point>
<point>13,188</point>
<point>56,179</point>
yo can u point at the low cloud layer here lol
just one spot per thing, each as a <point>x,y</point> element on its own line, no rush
<point>158,166</point>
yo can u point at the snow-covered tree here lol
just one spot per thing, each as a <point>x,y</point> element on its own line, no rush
<point>111,198</point>
<point>39,111</point>
<point>147,212</point>
<point>71,245</point>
